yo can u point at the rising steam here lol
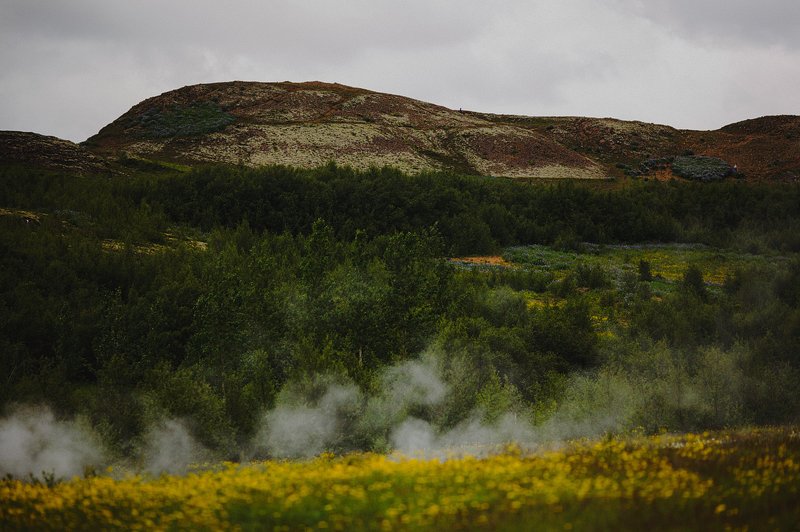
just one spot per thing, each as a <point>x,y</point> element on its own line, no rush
<point>170,448</point>
<point>34,442</point>
<point>412,411</point>
<point>655,388</point>
<point>401,416</point>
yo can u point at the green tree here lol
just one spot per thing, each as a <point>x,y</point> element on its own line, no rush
<point>693,282</point>
<point>645,275</point>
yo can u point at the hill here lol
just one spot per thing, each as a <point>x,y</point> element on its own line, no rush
<point>764,148</point>
<point>308,124</point>
<point>759,149</point>
<point>50,153</point>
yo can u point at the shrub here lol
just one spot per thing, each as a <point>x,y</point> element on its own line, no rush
<point>693,281</point>
<point>184,120</point>
<point>701,168</point>
<point>591,276</point>
<point>645,274</point>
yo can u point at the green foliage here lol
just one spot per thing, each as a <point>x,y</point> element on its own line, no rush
<point>693,282</point>
<point>701,168</point>
<point>185,394</point>
<point>497,398</point>
<point>566,332</point>
<point>474,214</point>
<point>184,120</point>
<point>645,275</point>
<point>110,307</point>
<point>591,276</point>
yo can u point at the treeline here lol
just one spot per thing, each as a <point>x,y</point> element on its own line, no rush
<point>474,214</point>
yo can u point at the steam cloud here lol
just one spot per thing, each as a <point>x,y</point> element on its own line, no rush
<point>301,427</point>
<point>658,387</point>
<point>412,413</point>
<point>170,448</point>
<point>472,436</point>
<point>33,441</point>
<point>298,430</point>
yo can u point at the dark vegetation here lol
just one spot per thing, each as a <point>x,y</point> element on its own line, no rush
<point>183,120</point>
<point>112,309</point>
<point>701,168</point>
<point>475,215</point>
<point>687,166</point>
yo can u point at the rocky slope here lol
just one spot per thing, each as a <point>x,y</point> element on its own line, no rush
<point>49,153</point>
<point>309,124</point>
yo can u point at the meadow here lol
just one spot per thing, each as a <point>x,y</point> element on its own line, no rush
<point>737,480</point>
<point>667,262</point>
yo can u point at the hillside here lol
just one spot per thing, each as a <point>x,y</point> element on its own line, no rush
<point>761,148</point>
<point>764,148</point>
<point>50,153</point>
<point>278,313</point>
<point>306,125</point>
<point>309,124</point>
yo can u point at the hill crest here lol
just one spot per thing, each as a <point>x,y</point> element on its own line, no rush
<point>309,124</point>
<point>312,123</point>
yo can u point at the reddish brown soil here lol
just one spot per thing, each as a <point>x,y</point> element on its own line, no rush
<point>488,260</point>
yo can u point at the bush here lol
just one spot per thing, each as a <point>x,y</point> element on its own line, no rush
<point>693,282</point>
<point>591,276</point>
<point>184,120</point>
<point>701,168</point>
<point>645,275</point>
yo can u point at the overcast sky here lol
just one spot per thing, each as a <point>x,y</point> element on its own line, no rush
<point>67,68</point>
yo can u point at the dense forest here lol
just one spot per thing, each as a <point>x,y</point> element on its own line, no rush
<point>214,294</point>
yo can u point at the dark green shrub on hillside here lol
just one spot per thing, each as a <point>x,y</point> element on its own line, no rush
<point>567,333</point>
<point>184,120</point>
<point>701,168</point>
<point>474,214</point>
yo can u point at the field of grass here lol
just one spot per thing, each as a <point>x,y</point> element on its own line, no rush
<point>667,262</point>
<point>746,479</point>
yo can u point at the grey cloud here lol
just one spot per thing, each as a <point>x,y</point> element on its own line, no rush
<point>69,68</point>
<point>287,27</point>
<point>733,22</point>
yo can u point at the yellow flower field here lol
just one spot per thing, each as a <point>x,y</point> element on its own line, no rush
<point>714,481</point>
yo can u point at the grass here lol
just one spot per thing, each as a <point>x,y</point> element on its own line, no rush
<point>734,479</point>
<point>668,262</point>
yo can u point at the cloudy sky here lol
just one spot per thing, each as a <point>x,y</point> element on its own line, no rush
<point>67,68</point>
